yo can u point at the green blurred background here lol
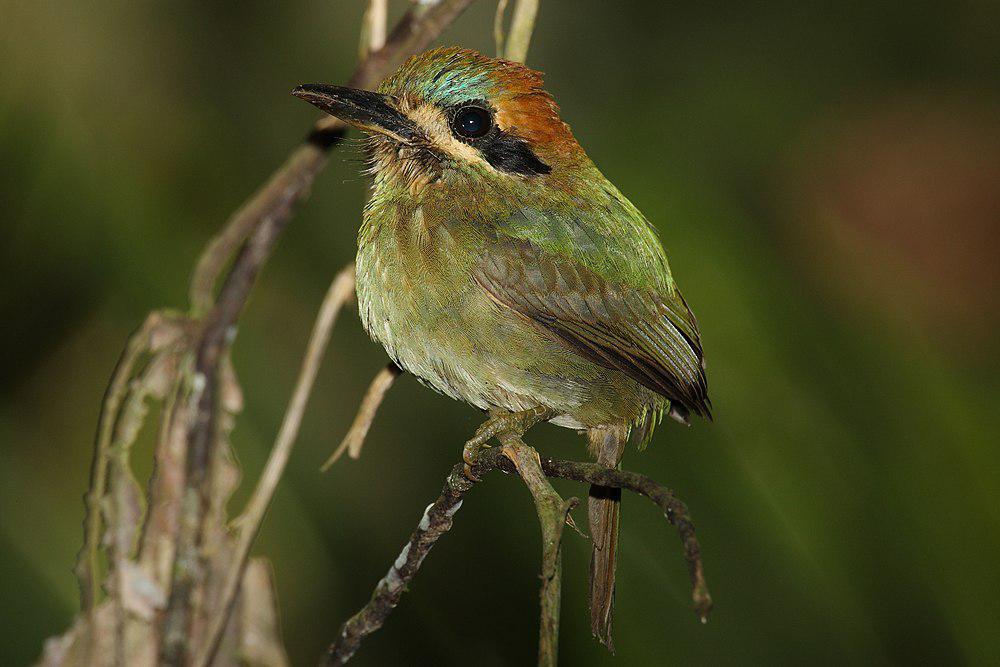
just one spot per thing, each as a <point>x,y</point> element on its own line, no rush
<point>826,177</point>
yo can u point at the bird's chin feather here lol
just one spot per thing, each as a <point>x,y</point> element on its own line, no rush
<point>410,166</point>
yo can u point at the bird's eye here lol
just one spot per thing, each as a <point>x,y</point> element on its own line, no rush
<point>472,122</point>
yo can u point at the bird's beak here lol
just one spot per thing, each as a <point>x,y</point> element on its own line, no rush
<point>361,108</point>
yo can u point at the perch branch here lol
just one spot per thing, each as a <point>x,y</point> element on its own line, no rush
<point>437,520</point>
<point>434,523</point>
<point>552,515</point>
<point>259,222</point>
<point>248,524</point>
<point>356,435</point>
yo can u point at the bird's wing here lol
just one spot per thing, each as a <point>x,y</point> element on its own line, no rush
<point>650,336</point>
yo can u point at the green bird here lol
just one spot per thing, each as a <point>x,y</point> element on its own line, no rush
<point>499,266</point>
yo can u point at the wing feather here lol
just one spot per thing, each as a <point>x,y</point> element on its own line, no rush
<point>653,338</point>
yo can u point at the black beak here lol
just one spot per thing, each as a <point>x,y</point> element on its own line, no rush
<point>361,108</point>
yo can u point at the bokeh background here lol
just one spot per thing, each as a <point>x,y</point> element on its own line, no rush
<point>826,177</point>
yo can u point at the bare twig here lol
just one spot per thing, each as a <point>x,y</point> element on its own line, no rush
<point>341,291</point>
<point>88,560</point>
<point>552,515</point>
<point>356,435</point>
<point>373,27</point>
<point>284,189</point>
<point>437,520</point>
<point>498,32</point>
<point>522,25</point>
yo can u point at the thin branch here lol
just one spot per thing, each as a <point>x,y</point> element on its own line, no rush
<point>522,25</point>
<point>356,435</point>
<point>552,515</point>
<point>498,33</point>
<point>202,435</point>
<point>341,291</point>
<point>373,27</point>
<point>284,189</point>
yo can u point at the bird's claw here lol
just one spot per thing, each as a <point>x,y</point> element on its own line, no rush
<point>469,475</point>
<point>470,455</point>
<point>500,425</point>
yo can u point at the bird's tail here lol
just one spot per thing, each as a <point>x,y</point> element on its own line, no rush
<point>607,444</point>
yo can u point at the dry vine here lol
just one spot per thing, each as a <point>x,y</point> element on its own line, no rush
<point>178,584</point>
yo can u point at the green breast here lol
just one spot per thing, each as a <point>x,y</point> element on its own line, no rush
<point>416,297</point>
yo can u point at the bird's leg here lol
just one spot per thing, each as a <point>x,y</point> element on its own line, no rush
<point>500,424</point>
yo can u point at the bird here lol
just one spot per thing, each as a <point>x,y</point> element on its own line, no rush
<point>500,267</point>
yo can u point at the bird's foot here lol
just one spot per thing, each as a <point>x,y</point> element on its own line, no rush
<point>501,425</point>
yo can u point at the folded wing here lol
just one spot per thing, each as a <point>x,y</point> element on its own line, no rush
<point>653,338</point>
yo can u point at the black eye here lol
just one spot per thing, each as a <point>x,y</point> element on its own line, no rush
<point>472,122</point>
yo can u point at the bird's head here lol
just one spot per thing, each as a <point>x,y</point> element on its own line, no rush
<point>454,114</point>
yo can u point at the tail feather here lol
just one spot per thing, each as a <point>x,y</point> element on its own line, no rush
<point>607,444</point>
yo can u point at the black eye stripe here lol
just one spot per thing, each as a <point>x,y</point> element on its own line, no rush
<point>472,122</point>
<point>509,153</point>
